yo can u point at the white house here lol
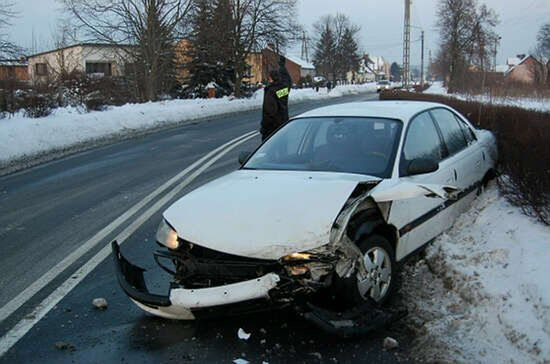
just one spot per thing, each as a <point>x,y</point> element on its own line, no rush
<point>374,68</point>
<point>90,58</point>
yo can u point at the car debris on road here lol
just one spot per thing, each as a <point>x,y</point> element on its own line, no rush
<point>100,303</point>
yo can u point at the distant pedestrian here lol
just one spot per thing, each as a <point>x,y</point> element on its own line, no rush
<point>329,86</point>
<point>275,106</point>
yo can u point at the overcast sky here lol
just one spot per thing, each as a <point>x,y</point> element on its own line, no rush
<point>381,22</point>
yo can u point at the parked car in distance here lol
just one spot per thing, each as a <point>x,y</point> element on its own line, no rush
<point>383,85</point>
<point>333,202</point>
<point>319,79</point>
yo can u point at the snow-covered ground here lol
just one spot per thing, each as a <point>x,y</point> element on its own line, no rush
<point>481,294</point>
<point>65,127</point>
<point>540,104</point>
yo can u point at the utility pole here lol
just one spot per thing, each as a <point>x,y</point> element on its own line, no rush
<point>422,63</point>
<point>495,51</point>
<point>430,62</point>
<point>305,53</point>
<point>407,44</point>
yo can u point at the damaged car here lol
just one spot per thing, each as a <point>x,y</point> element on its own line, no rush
<point>329,206</point>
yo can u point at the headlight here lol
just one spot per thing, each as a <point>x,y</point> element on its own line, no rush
<point>297,257</point>
<point>167,236</point>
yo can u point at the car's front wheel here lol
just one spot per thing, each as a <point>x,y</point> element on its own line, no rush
<point>380,278</point>
<point>378,262</point>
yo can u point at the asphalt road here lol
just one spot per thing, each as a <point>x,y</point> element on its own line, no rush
<point>48,212</point>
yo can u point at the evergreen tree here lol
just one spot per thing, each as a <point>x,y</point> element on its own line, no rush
<point>395,72</point>
<point>210,48</point>
<point>201,68</point>
<point>222,45</point>
<point>337,50</point>
<point>348,51</point>
<point>325,52</point>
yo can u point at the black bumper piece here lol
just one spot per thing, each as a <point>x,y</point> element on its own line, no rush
<point>352,323</point>
<point>130,278</point>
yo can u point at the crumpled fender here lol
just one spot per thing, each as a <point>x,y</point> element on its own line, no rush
<point>401,190</point>
<point>378,197</point>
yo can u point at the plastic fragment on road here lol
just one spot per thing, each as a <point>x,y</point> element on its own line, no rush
<point>240,361</point>
<point>243,335</point>
<point>390,343</point>
<point>100,303</point>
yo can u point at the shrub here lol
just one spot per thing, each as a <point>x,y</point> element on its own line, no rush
<point>524,147</point>
<point>37,105</point>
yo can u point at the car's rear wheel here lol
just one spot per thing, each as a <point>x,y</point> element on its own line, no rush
<point>380,280</point>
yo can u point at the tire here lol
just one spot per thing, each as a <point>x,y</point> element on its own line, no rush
<point>380,286</point>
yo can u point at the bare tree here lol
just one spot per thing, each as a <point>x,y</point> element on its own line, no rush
<point>543,40</point>
<point>257,23</point>
<point>466,32</point>
<point>542,51</point>
<point>7,48</point>
<point>66,63</point>
<point>145,30</point>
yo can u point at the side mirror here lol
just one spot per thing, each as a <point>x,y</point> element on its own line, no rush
<point>243,156</point>
<point>422,166</point>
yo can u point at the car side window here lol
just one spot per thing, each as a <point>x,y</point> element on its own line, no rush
<point>422,139</point>
<point>468,132</point>
<point>450,129</point>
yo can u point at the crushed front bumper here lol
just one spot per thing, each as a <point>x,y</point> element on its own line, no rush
<point>187,304</point>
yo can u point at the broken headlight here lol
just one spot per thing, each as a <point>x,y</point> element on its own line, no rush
<point>167,236</point>
<point>297,257</point>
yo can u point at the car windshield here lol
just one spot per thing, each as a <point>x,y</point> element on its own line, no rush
<point>383,83</point>
<point>332,144</point>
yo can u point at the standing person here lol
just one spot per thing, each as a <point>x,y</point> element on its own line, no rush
<point>275,107</point>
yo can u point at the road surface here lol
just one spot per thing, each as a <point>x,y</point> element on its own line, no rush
<point>57,219</point>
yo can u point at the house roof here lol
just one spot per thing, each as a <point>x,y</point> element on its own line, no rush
<point>513,61</point>
<point>13,63</point>
<point>521,61</point>
<point>501,68</point>
<point>86,44</point>
<point>300,62</point>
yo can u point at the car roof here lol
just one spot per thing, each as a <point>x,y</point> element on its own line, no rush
<point>402,110</point>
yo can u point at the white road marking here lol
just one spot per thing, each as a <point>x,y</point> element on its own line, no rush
<point>51,274</point>
<point>23,326</point>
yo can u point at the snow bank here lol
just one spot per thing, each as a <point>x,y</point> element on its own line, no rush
<point>436,88</point>
<point>490,300</point>
<point>65,127</point>
<point>539,104</point>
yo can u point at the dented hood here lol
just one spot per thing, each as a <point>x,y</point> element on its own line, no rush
<point>263,214</point>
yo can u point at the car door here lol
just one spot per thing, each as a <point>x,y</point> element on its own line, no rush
<point>463,158</point>
<point>420,218</point>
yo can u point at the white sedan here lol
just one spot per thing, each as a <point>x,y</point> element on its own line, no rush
<point>329,204</point>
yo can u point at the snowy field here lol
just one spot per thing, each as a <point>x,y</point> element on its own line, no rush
<point>540,104</point>
<point>65,127</point>
<point>481,294</point>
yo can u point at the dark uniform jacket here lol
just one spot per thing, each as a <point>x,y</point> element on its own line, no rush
<point>275,107</point>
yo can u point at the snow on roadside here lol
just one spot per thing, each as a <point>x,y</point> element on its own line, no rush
<point>65,127</point>
<point>481,294</point>
<point>436,88</point>
<point>539,104</point>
